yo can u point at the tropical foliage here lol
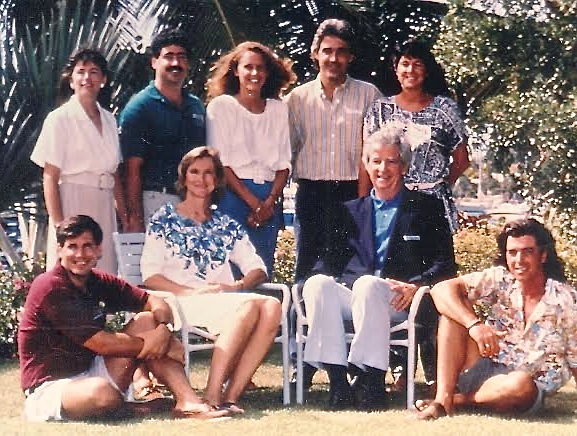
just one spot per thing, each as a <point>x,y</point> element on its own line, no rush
<point>38,36</point>
<point>513,65</point>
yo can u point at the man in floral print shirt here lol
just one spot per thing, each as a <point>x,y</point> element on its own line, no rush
<point>527,347</point>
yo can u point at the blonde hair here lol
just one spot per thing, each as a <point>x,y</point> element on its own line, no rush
<point>186,162</point>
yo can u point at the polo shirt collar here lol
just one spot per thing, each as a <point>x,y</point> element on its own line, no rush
<point>381,204</point>
<point>154,93</point>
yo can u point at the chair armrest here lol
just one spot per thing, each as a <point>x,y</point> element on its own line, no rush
<point>278,287</point>
<point>417,301</point>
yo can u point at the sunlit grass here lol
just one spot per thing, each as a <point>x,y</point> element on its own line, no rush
<point>267,416</point>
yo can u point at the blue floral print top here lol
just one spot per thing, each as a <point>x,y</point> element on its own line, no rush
<point>189,253</point>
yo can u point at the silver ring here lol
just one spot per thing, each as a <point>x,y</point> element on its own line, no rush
<point>486,345</point>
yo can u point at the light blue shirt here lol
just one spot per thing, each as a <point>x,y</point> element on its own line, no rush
<point>384,214</point>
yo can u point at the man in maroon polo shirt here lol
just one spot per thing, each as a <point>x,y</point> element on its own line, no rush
<point>71,368</point>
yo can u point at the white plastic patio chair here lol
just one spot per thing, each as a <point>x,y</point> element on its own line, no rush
<point>409,342</point>
<point>129,247</point>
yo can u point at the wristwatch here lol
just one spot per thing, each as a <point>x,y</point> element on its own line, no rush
<point>168,325</point>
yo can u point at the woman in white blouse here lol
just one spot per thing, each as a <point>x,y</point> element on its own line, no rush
<point>188,250</point>
<point>248,124</point>
<point>79,151</point>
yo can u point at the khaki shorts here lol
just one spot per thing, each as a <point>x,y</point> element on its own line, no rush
<point>45,403</point>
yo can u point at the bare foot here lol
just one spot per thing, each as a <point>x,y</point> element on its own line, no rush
<point>429,410</point>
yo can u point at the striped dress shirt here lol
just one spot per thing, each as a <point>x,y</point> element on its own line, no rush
<point>327,136</point>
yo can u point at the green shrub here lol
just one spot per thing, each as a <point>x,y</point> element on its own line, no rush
<point>14,285</point>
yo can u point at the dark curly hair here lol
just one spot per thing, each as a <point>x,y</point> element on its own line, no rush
<point>435,82</point>
<point>553,266</point>
<point>169,37</point>
<point>84,55</point>
<point>222,80</point>
<point>186,162</point>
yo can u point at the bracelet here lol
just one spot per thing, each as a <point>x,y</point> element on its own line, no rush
<point>476,322</point>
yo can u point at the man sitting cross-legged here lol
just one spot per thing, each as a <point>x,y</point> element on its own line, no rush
<point>527,347</point>
<point>386,245</point>
<point>70,367</point>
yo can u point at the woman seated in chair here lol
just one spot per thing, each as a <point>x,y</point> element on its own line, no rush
<point>188,250</point>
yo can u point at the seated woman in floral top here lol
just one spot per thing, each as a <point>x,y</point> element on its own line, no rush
<point>187,251</point>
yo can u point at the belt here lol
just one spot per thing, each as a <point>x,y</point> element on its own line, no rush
<point>422,186</point>
<point>100,181</point>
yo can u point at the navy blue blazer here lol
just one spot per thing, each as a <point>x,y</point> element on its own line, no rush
<point>420,250</point>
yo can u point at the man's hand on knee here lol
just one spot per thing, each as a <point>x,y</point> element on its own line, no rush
<point>156,343</point>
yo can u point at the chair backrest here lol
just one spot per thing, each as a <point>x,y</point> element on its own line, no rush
<point>128,248</point>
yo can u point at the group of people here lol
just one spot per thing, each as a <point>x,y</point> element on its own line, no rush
<point>374,222</point>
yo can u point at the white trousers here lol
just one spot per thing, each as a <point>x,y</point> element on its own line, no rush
<point>328,304</point>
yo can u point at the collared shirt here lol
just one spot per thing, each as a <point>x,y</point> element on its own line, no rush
<point>384,214</point>
<point>59,317</point>
<point>153,128</point>
<point>70,141</point>
<point>327,136</point>
<point>545,345</point>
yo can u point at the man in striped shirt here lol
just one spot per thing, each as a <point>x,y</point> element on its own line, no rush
<point>326,121</point>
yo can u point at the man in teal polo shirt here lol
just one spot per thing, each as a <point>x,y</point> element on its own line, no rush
<point>157,127</point>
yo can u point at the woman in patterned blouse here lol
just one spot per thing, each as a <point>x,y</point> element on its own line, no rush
<point>435,129</point>
<point>188,250</point>
<point>432,122</point>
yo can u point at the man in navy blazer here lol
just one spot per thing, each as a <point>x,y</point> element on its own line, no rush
<point>386,246</point>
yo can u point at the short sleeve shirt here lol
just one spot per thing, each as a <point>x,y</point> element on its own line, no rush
<point>59,317</point>
<point>433,133</point>
<point>154,129</point>
<point>70,141</point>
<point>545,345</point>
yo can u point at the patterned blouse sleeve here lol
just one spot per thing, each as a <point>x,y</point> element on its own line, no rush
<point>457,128</point>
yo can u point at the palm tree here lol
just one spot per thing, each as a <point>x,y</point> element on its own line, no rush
<point>32,53</point>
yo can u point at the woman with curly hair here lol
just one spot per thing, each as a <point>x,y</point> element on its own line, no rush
<point>248,124</point>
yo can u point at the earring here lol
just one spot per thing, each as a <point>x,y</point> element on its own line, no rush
<point>101,85</point>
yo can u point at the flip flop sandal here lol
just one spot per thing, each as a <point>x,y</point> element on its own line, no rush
<point>438,410</point>
<point>231,407</point>
<point>207,414</point>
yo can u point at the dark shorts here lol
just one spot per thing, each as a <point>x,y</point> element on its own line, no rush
<point>472,379</point>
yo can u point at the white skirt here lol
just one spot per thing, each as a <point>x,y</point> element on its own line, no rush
<point>96,203</point>
<point>214,311</point>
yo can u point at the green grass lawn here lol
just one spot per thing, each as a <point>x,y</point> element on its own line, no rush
<point>267,416</point>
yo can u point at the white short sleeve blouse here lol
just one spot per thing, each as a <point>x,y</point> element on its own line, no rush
<point>72,143</point>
